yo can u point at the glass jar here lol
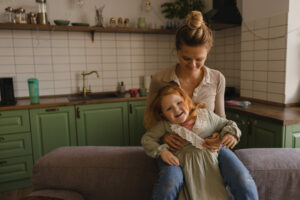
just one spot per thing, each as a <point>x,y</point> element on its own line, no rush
<point>42,13</point>
<point>9,15</point>
<point>20,16</point>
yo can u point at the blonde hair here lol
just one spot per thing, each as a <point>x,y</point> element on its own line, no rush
<point>194,32</point>
<point>154,112</point>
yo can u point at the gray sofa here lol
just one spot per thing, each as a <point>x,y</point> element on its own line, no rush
<point>113,173</point>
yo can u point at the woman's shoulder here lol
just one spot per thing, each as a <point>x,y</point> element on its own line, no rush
<point>164,74</point>
<point>214,72</point>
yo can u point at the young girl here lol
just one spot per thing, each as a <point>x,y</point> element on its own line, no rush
<point>171,110</point>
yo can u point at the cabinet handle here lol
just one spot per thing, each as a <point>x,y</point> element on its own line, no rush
<point>130,108</point>
<point>78,112</point>
<point>52,109</point>
<point>2,138</point>
<point>3,162</point>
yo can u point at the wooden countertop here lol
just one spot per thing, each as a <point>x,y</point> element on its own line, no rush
<point>53,101</point>
<point>277,114</point>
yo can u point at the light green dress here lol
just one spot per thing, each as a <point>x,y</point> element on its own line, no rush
<point>202,178</point>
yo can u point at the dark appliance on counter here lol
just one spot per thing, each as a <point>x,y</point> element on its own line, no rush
<point>230,93</point>
<point>7,91</point>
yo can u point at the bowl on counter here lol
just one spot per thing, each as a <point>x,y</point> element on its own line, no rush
<point>61,22</point>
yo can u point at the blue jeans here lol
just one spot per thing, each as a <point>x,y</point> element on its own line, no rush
<point>234,173</point>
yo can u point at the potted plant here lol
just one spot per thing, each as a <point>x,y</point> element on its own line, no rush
<point>179,9</point>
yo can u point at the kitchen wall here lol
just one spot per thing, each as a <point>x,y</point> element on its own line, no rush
<point>270,51</point>
<point>292,86</point>
<point>226,55</point>
<point>57,58</point>
<point>263,56</point>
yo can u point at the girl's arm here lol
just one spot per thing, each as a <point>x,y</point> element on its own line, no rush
<point>224,126</point>
<point>151,140</point>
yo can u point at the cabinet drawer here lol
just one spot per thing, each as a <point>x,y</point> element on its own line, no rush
<point>12,169</point>
<point>15,145</point>
<point>15,121</point>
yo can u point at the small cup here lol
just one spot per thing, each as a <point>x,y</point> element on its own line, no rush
<point>133,92</point>
<point>143,92</point>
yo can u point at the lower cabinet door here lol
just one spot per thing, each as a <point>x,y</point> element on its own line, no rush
<point>136,121</point>
<point>102,124</point>
<point>52,128</point>
<point>292,138</point>
<point>15,172</point>
<point>264,134</point>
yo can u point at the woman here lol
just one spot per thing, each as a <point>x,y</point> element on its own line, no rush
<point>193,42</point>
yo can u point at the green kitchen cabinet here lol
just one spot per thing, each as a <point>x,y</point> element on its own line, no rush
<point>15,150</point>
<point>242,123</point>
<point>257,132</point>
<point>52,128</point>
<point>293,136</point>
<point>103,124</point>
<point>136,121</point>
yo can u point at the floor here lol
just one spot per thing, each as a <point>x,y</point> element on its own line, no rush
<point>15,194</point>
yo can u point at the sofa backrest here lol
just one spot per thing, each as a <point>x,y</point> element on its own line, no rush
<point>97,172</point>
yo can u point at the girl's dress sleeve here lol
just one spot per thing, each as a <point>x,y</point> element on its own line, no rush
<point>224,126</point>
<point>151,140</point>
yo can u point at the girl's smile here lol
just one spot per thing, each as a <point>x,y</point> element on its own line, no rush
<point>174,109</point>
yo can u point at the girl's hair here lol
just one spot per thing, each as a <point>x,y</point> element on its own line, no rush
<point>154,112</point>
<point>194,32</point>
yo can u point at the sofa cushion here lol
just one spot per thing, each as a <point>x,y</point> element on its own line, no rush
<point>97,172</point>
<point>276,171</point>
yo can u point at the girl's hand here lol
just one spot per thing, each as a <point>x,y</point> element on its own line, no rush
<point>173,141</point>
<point>169,158</point>
<point>213,143</point>
<point>229,141</point>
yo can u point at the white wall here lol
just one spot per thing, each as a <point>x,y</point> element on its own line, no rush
<point>258,9</point>
<point>292,87</point>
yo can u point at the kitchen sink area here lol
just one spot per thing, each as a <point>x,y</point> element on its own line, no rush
<point>92,96</point>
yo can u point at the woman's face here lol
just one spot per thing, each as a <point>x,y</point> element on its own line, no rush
<point>174,109</point>
<point>192,58</point>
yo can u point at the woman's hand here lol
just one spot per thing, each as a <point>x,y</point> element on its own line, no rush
<point>175,142</point>
<point>229,141</point>
<point>213,143</point>
<point>169,158</point>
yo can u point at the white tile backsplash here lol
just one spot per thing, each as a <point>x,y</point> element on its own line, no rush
<point>268,37</point>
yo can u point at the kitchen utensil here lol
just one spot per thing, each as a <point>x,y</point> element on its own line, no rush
<point>61,22</point>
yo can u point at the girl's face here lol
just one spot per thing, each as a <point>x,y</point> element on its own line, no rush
<point>174,108</point>
<point>192,58</point>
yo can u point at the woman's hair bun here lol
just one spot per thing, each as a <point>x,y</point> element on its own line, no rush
<point>194,20</point>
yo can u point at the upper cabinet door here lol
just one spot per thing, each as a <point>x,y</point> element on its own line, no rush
<point>102,124</point>
<point>136,121</point>
<point>52,128</point>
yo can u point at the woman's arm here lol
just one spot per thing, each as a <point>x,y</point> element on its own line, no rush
<point>219,101</point>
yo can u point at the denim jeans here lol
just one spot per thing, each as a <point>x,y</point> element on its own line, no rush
<point>234,173</point>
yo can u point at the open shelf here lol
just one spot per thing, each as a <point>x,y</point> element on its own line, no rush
<point>83,28</point>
